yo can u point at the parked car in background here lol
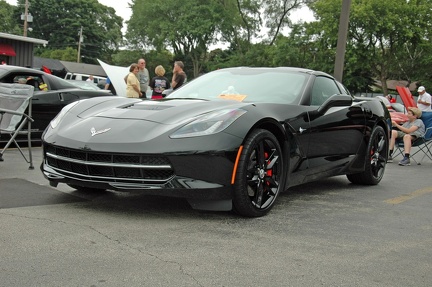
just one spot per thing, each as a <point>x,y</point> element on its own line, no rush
<point>86,85</point>
<point>232,139</point>
<point>397,110</point>
<point>83,77</point>
<point>51,94</point>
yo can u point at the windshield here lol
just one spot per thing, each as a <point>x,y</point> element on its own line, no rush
<point>247,85</point>
<point>62,83</point>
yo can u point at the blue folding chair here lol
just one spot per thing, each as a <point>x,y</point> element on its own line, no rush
<point>424,143</point>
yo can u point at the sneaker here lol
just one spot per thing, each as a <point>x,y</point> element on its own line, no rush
<point>405,161</point>
<point>390,158</point>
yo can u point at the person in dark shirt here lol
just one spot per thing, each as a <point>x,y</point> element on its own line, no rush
<point>179,76</point>
<point>159,83</point>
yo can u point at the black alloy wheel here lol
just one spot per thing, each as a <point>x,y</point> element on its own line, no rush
<point>376,159</point>
<point>260,175</point>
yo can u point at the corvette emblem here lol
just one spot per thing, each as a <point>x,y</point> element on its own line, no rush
<point>94,132</point>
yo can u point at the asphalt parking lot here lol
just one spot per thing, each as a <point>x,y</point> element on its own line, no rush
<point>327,233</point>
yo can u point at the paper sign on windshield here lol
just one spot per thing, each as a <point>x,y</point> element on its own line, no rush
<point>234,97</point>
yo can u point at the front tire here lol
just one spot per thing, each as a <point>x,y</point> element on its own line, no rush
<point>376,159</point>
<point>260,175</point>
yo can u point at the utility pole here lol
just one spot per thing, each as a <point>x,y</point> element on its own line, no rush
<point>25,18</point>
<point>342,38</point>
<point>79,44</point>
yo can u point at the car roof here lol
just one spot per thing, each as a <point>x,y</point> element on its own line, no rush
<point>295,69</point>
<point>287,69</point>
<point>19,68</point>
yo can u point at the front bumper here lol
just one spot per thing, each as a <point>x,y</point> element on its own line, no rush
<point>205,176</point>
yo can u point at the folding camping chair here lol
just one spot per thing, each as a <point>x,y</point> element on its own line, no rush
<point>424,143</point>
<point>15,99</point>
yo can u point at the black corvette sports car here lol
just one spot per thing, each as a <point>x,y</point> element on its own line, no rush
<point>232,139</point>
<point>51,94</point>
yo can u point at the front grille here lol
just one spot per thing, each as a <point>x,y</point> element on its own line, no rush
<point>108,167</point>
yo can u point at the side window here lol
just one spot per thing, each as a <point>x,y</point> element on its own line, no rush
<point>20,79</point>
<point>344,89</point>
<point>323,88</point>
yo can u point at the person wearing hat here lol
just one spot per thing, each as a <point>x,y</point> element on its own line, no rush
<point>409,131</point>
<point>424,100</point>
<point>391,99</point>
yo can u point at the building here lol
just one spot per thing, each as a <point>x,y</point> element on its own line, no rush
<point>18,50</point>
<point>61,68</point>
<point>82,68</point>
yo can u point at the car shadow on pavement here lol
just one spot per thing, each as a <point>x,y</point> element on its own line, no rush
<point>17,192</point>
<point>136,203</point>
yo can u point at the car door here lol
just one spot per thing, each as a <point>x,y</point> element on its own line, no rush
<point>335,137</point>
<point>299,127</point>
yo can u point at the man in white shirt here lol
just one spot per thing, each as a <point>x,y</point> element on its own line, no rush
<point>424,100</point>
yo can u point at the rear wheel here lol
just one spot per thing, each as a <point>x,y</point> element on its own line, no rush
<point>376,159</point>
<point>260,175</point>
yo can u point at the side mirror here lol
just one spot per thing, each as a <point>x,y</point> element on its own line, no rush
<point>333,101</point>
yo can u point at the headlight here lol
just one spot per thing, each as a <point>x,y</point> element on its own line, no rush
<point>208,124</point>
<point>55,122</point>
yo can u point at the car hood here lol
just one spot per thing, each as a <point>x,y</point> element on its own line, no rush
<point>74,90</point>
<point>169,111</point>
<point>116,75</point>
<point>134,125</point>
<point>398,117</point>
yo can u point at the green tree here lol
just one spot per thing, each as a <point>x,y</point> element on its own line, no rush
<point>9,23</point>
<point>68,54</point>
<point>276,15</point>
<point>240,24</point>
<point>187,28</point>
<point>218,59</point>
<point>379,31</point>
<point>153,58</point>
<point>126,57</point>
<point>298,49</point>
<point>59,22</point>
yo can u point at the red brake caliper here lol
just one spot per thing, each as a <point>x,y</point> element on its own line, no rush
<point>269,172</point>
